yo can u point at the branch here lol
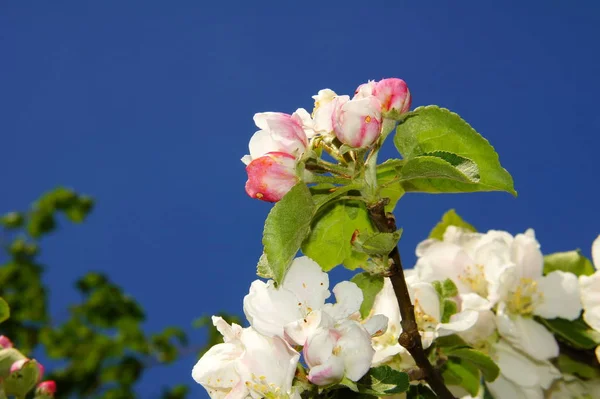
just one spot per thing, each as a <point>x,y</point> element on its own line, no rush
<point>410,337</point>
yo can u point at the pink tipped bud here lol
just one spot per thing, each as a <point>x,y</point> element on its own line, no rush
<point>46,388</point>
<point>393,94</point>
<point>5,342</point>
<point>270,177</point>
<point>18,365</point>
<point>42,371</point>
<point>357,122</point>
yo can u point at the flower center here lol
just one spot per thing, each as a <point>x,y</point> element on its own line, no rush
<point>266,390</point>
<point>525,298</point>
<point>424,321</point>
<point>474,277</point>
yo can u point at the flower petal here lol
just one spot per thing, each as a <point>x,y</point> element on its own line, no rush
<point>376,325</point>
<point>527,335</point>
<point>327,373</point>
<point>458,322</point>
<point>560,296</point>
<point>269,309</point>
<point>348,300</point>
<point>260,144</point>
<point>356,349</point>
<point>308,282</point>
<point>590,298</point>
<point>215,370</point>
<point>596,252</point>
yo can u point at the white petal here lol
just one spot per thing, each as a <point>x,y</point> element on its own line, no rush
<point>376,325</point>
<point>504,388</point>
<point>515,366</point>
<point>303,118</point>
<point>268,360</point>
<point>527,335</point>
<point>426,297</point>
<point>319,346</point>
<point>298,331</point>
<point>268,309</point>
<point>356,349</point>
<point>348,300</point>
<point>308,282</point>
<point>261,143</point>
<point>560,296</point>
<point>442,260</point>
<point>327,373</point>
<point>458,322</point>
<point>482,330</point>
<point>215,371</point>
<point>596,252</point>
<point>229,332</point>
<point>597,351</point>
<point>526,253</point>
<point>590,298</point>
<point>474,302</point>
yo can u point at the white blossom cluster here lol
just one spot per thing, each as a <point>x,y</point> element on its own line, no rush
<point>501,294</point>
<point>260,361</point>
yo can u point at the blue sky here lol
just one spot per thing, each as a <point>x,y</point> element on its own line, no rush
<point>148,106</point>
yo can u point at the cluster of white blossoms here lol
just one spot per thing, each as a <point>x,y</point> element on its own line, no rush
<point>260,361</point>
<point>501,292</point>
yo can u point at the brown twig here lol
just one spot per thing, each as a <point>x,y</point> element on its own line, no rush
<point>410,337</point>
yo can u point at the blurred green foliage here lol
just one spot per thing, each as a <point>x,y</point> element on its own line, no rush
<point>101,346</point>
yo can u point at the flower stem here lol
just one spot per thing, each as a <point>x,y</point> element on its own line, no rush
<point>410,337</point>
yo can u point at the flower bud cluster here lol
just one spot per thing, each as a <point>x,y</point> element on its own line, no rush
<point>285,140</point>
<point>26,372</point>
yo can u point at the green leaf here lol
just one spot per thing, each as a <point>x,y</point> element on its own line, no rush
<point>19,383</point>
<point>450,218</point>
<point>432,129</point>
<point>568,365</point>
<point>464,373</point>
<point>287,225</point>
<point>383,380</point>
<point>575,333</point>
<point>262,268</point>
<point>370,285</point>
<point>437,167</point>
<point>451,341</point>
<point>571,262</point>
<point>489,369</point>
<point>376,243</point>
<point>420,392</point>
<point>12,220</point>
<point>449,308</point>
<point>388,174</point>
<point>4,310</point>
<point>329,241</point>
<point>449,289</point>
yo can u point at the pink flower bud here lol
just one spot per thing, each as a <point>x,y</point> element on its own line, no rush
<point>42,371</point>
<point>357,122</point>
<point>393,94</point>
<point>18,365</point>
<point>46,388</point>
<point>271,176</point>
<point>5,342</point>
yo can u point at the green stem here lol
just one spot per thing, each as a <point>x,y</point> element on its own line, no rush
<point>324,166</point>
<point>327,179</point>
<point>338,192</point>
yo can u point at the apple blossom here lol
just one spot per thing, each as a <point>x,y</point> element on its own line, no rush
<point>296,308</point>
<point>590,293</point>
<point>322,112</point>
<point>520,376</point>
<point>271,176</point>
<point>279,133</point>
<point>247,365</point>
<point>5,342</point>
<point>47,388</point>
<point>333,352</point>
<point>357,122</point>
<point>392,93</point>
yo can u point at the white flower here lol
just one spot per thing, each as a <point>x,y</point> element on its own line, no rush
<point>279,133</point>
<point>590,293</point>
<point>570,387</point>
<point>428,316</point>
<point>335,351</point>
<point>323,111</point>
<point>246,365</point>
<point>520,377</point>
<point>295,309</point>
<point>357,122</point>
<point>507,271</point>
